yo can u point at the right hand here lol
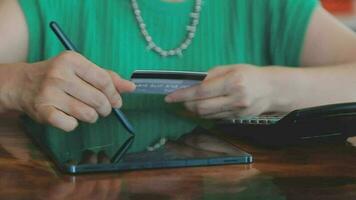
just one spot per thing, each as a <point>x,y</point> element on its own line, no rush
<point>69,88</point>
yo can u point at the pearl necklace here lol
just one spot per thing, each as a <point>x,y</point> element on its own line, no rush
<point>178,51</point>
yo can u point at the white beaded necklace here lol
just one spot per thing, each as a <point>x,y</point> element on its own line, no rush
<point>178,51</point>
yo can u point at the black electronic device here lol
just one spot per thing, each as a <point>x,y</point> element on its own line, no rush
<point>328,123</point>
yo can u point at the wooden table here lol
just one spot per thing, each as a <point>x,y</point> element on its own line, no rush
<point>318,172</point>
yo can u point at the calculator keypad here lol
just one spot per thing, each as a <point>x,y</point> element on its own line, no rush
<point>255,120</point>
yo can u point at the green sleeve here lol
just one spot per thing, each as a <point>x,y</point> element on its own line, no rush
<point>31,10</point>
<point>289,24</point>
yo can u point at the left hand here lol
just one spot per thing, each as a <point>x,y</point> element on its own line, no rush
<point>228,92</point>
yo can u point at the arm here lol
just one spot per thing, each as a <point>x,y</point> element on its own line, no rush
<point>329,76</point>
<point>329,60</point>
<point>13,48</point>
<point>59,91</point>
<point>14,33</point>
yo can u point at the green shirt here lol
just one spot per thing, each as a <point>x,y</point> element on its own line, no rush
<point>259,32</point>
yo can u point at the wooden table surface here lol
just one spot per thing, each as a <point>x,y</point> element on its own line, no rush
<point>315,172</point>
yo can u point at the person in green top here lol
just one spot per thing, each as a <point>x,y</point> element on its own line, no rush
<point>261,56</point>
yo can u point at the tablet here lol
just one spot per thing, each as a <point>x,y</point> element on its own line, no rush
<point>92,148</point>
<point>198,148</point>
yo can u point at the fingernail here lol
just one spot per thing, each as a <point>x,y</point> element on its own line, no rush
<point>117,101</point>
<point>94,120</point>
<point>131,87</point>
<point>71,125</point>
<point>118,104</point>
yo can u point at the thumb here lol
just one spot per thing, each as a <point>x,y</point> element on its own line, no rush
<point>218,71</point>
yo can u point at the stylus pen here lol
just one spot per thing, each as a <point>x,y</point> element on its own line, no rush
<point>69,46</point>
<point>122,150</point>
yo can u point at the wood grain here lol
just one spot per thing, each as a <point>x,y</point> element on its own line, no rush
<point>313,172</point>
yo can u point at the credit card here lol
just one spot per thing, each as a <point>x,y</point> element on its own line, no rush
<point>164,82</point>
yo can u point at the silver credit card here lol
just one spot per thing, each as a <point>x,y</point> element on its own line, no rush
<point>164,82</point>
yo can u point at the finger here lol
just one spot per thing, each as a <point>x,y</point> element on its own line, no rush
<point>75,108</point>
<point>60,190</point>
<point>352,141</point>
<point>91,96</point>
<point>121,84</point>
<point>221,115</point>
<point>218,71</point>
<point>83,189</point>
<point>207,89</point>
<point>115,189</point>
<point>210,106</point>
<point>254,110</point>
<point>102,189</point>
<point>186,94</point>
<point>88,157</point>
<point>57,118</point>
<point>95,76</point>
<point>103,158</point>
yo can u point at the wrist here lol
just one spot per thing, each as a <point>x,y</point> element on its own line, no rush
<point>287,88</point>
<point>11,83</point>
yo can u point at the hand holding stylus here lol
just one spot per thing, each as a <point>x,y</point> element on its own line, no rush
<point>68,88</point>
<point>67,43</point>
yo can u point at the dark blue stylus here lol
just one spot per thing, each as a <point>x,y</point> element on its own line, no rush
<point>69,46</point>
